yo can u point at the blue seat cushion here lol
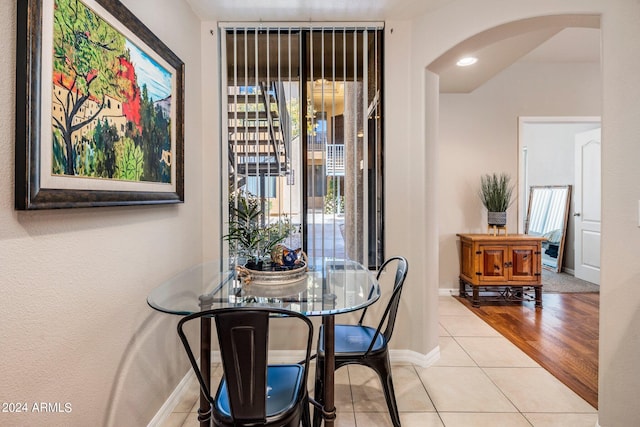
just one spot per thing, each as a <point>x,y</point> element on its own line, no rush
<point>354,339</point>
<point>283,385</point>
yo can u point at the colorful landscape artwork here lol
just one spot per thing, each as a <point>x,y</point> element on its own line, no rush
<point>111,103</point>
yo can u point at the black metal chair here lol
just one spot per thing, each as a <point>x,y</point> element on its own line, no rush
<point>252,392</point>
<point>364,345</point>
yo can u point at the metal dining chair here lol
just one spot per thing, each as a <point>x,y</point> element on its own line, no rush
<point>252,392</point>
<point>365,345</point>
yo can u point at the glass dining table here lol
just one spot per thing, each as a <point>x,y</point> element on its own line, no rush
<point>331,286</point>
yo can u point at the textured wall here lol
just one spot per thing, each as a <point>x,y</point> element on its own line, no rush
<point>73,283</point>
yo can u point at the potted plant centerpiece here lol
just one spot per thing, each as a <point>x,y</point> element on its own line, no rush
<point>496,193</point>
<point>258,243</point>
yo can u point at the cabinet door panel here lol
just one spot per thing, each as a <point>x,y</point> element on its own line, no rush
<point>523,263</point>
<point>493,263</point>
<point>467,266</point>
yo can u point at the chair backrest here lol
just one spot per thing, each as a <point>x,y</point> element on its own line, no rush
<point>390,312</point>
<point>243,336</point>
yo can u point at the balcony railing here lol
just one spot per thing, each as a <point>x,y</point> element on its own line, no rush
<point>335,159</point>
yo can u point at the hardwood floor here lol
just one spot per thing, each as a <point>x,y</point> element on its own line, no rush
<point>562,337</point>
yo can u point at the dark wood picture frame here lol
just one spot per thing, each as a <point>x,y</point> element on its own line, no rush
<point>29,192</point>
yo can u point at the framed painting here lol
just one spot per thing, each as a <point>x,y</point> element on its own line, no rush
<point>99,108</point>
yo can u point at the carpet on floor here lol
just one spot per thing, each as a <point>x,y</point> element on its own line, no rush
<point>565,283</point>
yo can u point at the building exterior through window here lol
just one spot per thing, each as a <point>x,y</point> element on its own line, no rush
<point>303,125</point>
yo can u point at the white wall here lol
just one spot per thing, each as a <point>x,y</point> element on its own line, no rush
<point>212,166</point>
<point>620,272</point>
<point>619,301</point>
<point>75,324</point>
<point>408,221</point>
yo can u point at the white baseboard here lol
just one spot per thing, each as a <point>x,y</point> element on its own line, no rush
<point>410,356</point>
<point>174,398</point>
<point>396,356</point>
<point>444,292</point>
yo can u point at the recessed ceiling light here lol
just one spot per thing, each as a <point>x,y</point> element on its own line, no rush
<point>466,61</point>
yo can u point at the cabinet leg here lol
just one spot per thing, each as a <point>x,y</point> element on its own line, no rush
<point>462,289</point>
<point>475,301</point>
<point>538,294</point>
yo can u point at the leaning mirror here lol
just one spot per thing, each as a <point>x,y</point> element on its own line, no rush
<point>547,216</point>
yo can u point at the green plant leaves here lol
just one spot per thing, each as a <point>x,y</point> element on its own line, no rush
<point>249,232</point>
<point>496,192</point>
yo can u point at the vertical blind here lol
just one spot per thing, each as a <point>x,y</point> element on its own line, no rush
<point>303,124</point>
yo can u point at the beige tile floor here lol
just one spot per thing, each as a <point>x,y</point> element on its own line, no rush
<point>480,380</point>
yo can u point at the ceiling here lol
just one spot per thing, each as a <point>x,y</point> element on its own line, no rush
<point>554,38</point>
<point>308,10</point>
<point>574,45</point>
<point>566,38</point>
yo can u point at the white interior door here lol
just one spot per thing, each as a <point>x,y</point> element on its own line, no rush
<point>587,206</point>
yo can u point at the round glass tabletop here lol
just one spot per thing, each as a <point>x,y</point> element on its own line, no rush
<point>330,286</point>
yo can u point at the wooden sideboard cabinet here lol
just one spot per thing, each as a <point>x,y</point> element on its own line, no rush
<point>500,263</point>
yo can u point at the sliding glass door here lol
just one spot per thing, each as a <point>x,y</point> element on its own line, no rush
<point>303,127</point>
